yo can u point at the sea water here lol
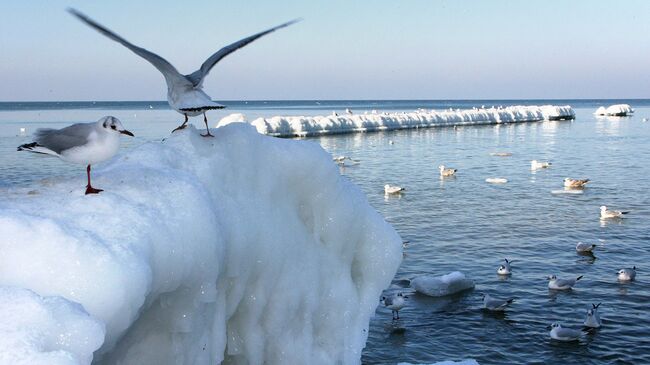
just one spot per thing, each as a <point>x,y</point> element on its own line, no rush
<point>459,223</point>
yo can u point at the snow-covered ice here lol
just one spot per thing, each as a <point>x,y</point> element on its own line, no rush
<point>438,286</point>
<point>241,248</point>
<point>290,126</point>
<point>619,110</point>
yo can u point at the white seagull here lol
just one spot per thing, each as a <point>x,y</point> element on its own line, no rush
<point>561,284</point>
<point>585,247</point>
<point>593,318</point>
<point>446,172</point>
<point>184,92</point>
<point>495,304</point>
<point>393,189</point>
<point>564,334</point>
<point>535,165</point>
<point>505,268</point>
<point>627,274</point>
<point>607,213</point>
<point>575,183</point>
<point>82,143</point>
<point>394,303</point>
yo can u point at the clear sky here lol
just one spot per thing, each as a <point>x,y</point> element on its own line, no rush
<point>344,49</point>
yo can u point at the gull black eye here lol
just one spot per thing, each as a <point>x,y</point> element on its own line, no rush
<point>113,127</point>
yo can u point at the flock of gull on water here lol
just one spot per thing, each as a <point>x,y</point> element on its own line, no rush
<point>397,301</point>
<point>91,143</point>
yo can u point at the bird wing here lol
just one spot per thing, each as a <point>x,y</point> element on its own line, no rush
<point>59,140</point>
<point>567,333</point>
<point>172,76</point>
<point>197,77</point>
<point>565,282</point>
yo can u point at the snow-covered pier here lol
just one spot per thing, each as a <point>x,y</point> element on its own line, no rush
<point>302,126</point>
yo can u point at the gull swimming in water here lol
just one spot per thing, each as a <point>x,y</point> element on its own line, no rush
<point>607,213</point>
<point>627,274</point>
<point>575,183</point>
<point>393,189</point>
<point>561,284</point>
<point>446,172</point>
<point>585,247</point>
<point>82,143</point>
<point>184,92</point>
<point>535,165</point>
<point>495,304</point>
<point>564,334</point>
<point>394,303</point>
<point>505,268</point>
<point>593,318</point>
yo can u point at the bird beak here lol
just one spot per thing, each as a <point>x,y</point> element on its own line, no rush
<point>127,133</point>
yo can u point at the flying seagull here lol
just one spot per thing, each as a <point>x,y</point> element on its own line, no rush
<point>184,92</point>
<point>82,143</point>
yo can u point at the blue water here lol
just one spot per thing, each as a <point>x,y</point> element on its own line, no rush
<point>462,223</point>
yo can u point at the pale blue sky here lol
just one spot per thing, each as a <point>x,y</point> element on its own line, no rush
<point>399,49</point>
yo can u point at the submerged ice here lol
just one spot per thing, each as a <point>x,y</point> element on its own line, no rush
<point>241,248</point>
<point>285,126</point>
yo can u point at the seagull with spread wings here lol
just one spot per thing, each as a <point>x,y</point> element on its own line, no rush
<point>184,92</point>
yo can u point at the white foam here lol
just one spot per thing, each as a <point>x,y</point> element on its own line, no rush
<point>438,286</point>
<point>241,248</point>
<point>615,110</point>
<point>289,126</point>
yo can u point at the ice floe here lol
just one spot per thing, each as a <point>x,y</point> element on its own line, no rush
<point>438,286</point>
<point>239,248</point>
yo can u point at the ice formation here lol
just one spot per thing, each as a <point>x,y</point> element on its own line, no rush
<point>239,248</point>
<point>318,125</point>
<point>438,286</point>
<point>617,110</point>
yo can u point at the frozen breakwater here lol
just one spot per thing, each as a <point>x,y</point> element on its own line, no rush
<point>200,250</point>
<point>301,126</point>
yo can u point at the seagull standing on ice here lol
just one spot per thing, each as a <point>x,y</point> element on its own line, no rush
<point>593,318</point>
<point>627,274</point>
<point>494,304</point>
<point>505,268</point>
<point>394,303</point>
<point>561,284</point>
<point>446,172</point>
<point>184,92</point>
<point>564,334</point>
<point>83,143</point>
<point>607,213</point>
<point>575,183</point>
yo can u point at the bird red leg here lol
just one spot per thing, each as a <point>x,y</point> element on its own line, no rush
<point>89,188</point>
<point>182,126</point>
<point>207,129</point>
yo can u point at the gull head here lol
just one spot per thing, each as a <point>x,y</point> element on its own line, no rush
<point>555,325</point>
<point>113,125</point>
<point>386,186</point>
<point>552,277</point>
<point>441,167</point>
<point>603,208</point>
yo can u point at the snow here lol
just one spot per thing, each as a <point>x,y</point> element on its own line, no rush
<point>615,110</point>
<point>290,126</point>
<point>438,286</point>
<point>199,250</point>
